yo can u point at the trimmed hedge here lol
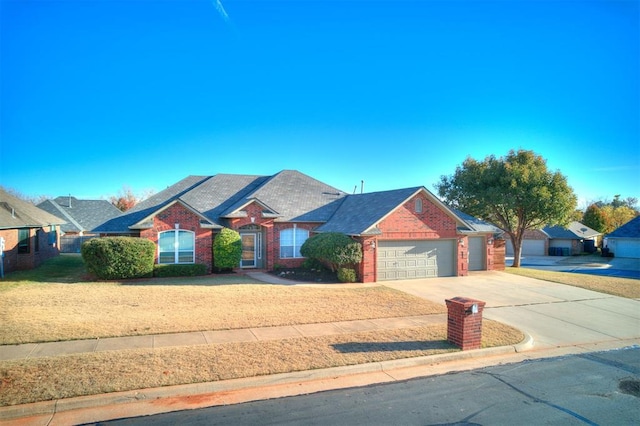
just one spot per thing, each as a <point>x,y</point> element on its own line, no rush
<point>115,258</point>
<point>173,270</point>
<point>333,249</point>
<point>227,249</point>
<point>346,275</point>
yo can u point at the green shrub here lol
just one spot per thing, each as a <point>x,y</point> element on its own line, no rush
<point>311,263</point>
<point>227,249</point>
<point>332,249</point>
<point>115,258</point>
<point>174,270</point>
<point>346,275</point>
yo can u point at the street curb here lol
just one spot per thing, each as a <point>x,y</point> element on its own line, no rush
<point>50,408</point>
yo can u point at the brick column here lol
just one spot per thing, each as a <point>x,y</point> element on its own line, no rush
<point>464,322</point>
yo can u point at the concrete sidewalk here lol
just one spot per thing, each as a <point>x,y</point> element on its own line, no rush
<point>37,350</point>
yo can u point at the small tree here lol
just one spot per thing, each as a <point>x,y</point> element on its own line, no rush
<point>515,192</point>
<point>227,249</point>
<point>333,249</point>
<point>595,218</point>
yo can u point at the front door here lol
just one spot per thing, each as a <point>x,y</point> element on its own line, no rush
<point>248,250</point>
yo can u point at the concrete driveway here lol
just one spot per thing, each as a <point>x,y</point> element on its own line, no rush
<point>554,315</point>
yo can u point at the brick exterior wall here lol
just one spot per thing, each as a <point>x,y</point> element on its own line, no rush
<point>14,261</point>
<point>187,220</point>
<point>405,223</point>
<point>271,235</point>
<point>498,252</point>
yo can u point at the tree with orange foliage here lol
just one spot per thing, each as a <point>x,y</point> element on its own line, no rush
<point>125,199</point>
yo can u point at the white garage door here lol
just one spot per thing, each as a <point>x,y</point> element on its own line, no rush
<point>529,248</point>
<point>627,248</point>
<point>477,254</point>
<point>560,243</point>
<point>399,260</point>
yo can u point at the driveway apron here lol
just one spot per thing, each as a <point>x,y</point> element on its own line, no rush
<point>553,314</point>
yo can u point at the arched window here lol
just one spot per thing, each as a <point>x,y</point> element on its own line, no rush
<point>418,205</point>
<point>290,242</point>
<point>176,246</point>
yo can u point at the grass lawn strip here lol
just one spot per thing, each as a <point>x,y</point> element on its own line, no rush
<point>53,312</point>
<point>623,287</point>
<point>68,376</point>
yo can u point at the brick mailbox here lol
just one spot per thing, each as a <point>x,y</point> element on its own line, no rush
<point>464,322</point>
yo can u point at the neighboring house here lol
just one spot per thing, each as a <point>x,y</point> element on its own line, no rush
<point>625,241</point>
<point>534,243</point>
<point>30,234</point>
<point>405,233</point>
<point>576,238</point>
<point>81,217</point>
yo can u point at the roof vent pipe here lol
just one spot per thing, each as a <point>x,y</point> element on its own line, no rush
<point>362,186</point>
<point>69,200</point>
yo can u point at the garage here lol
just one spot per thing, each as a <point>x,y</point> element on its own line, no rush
<point>529,248</point>
<point>625,248</point>
<point>477,254</point>
<point>399,260</point>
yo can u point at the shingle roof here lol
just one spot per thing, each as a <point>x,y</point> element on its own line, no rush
<point>477,225</point>
<point>81,215</point>
<point>290,195</point>
<point>574,231</point>
<point>630,229</point>
<point>147,207</point>
<point>359,214</point>
<point>17,213</point>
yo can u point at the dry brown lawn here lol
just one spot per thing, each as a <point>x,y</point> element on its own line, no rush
<point>43,379</point>
<point>623,287</point>
<point>32,312</point>
<point>49,305</point>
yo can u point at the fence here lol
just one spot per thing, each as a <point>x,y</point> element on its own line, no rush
<point>72,243</point>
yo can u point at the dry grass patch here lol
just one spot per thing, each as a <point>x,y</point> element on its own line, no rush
<point>43,379</point>
<point>623,287</point>
<point>40,312</point>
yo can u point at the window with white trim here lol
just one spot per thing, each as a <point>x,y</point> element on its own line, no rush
<point>290,242</point>
<point>176,246</point>
<point>418,205</point>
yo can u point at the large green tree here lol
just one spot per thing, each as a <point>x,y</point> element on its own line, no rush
<point>515,192</point>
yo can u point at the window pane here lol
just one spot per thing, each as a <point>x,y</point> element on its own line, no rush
<point>185,240</point>
<point>286,251</point>
<point>185,257</point>
<point>166,241</point>
<point>23,241</point>
<point>286,237</point>
<point>166,258</point>
<point>301,237</point>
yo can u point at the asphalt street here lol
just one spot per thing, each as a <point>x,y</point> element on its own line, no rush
<point>621,273</point>
<point>603,266</point>
<point>597,388</point>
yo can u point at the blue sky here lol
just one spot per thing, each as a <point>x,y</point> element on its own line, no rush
<point>96,95</point>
